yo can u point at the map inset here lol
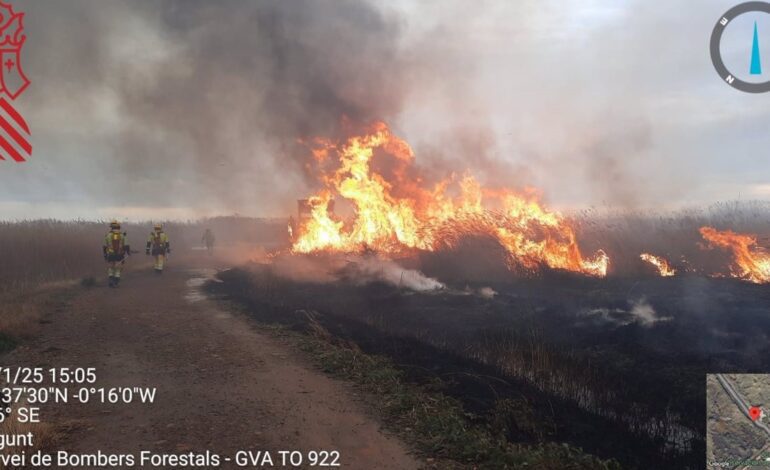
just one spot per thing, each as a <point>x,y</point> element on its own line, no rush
<point>738,421</point>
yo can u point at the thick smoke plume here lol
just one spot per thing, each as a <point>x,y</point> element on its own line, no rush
<point>206,98</point>
<point>194,108</point>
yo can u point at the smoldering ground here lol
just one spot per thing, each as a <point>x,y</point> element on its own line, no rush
<point>622,356</point>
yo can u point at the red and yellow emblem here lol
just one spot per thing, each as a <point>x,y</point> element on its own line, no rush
<point>14,131</point>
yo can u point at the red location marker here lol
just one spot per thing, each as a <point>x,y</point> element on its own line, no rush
<point>754,413</point>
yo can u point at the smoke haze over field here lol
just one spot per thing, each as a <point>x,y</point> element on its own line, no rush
<point>179,109</point>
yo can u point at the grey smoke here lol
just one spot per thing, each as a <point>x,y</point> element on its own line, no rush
<point>356,269</point>
<point>158,106</point>
<point>639,311</point>
<point>366,269</point>
<point>201,103</point>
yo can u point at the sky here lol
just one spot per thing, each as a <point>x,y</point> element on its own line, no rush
<point>181,109</point>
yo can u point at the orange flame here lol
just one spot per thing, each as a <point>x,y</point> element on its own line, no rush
<point>664,269</point>
<point>751,262</point>
<point>397,213</point>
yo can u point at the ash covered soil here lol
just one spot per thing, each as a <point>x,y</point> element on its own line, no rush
<point>221,384</point>
<point>615,366</point>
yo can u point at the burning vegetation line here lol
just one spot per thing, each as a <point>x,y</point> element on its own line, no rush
<point>660,263</point>
<point>750,262</point>
<point>396,212</point>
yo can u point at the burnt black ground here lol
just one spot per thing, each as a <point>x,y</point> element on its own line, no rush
<point>648,370</point>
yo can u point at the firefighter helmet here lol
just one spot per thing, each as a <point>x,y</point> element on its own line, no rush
<point>158,227</point>
<point>114,224</point>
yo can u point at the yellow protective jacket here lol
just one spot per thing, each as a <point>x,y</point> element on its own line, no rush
<point>116,243</point>
<point>158,243</point>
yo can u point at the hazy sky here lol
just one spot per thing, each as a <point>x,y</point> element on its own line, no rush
<point>176,109</point>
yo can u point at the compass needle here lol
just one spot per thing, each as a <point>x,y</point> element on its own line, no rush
<point>756,64</point>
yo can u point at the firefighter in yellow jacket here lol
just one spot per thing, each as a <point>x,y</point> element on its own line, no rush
<point>115,249</point>
<point>158,245</point>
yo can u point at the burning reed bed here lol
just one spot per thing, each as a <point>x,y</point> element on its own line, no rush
<point>624,235</point>
<point>612,364</point>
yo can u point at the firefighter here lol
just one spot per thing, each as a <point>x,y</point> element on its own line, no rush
<point>292,228</point>
<point>115,250</point>
<point>158,245</point>
<point>208,239</point>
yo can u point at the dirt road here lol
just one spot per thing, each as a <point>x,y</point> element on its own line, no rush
<point>221,385</point>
